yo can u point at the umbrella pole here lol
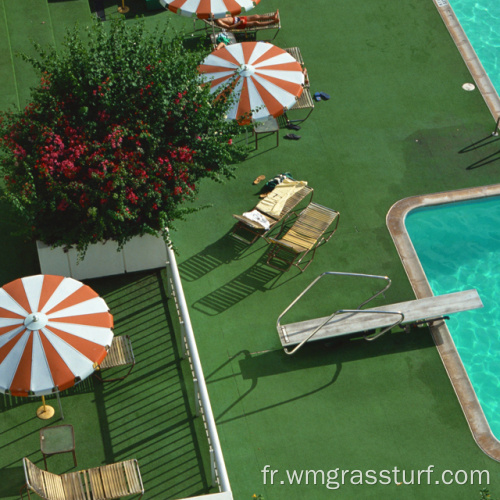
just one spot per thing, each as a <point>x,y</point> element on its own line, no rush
<point>60,406</point>
<point>45,412</point>
<point>123,9</point>
<point>213,30</point>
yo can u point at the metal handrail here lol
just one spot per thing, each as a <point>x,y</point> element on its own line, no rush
<point>218,464</point>
<point>336,273</point>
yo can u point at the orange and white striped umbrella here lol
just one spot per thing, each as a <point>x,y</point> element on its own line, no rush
<point>265,79</point>
<point>53,330</point>
<point>203,9</point>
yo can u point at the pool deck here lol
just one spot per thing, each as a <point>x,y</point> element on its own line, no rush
<point>398,125</point>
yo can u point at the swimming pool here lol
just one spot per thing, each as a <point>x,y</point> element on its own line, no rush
<point>479,19</point>
<point>465,260</point>
<point>472,25</point>
<point>458,245</point>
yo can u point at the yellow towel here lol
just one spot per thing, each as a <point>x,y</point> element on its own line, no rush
<point>274,202</point>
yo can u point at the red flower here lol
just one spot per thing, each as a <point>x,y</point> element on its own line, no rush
<point>131,196</point>
<point>83,200</point>
<point>63,205</point>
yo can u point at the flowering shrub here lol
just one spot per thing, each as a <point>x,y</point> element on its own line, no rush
<point>116,137</point>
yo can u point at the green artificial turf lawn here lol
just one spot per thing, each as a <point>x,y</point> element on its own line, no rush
<point>396,125</point>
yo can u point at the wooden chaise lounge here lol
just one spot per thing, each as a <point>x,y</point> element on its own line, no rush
<point>305,101</point>
<point>248,230</point>
<point>313,227</point>
<point>249,31</point>
<point>106,482</point>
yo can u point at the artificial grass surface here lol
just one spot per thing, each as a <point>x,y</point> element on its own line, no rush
<point>395,126</point>
<point>398,124</point>
<point>148,416</point>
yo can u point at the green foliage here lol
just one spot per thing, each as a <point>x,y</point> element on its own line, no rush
<point>485,494</point>
<point>116,138</point>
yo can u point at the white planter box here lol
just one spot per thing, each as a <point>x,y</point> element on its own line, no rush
<point>102,259</point>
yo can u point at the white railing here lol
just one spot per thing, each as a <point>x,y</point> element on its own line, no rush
<point>202,401</point>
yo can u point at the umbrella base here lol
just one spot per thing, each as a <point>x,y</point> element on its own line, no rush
<point>123,10</point>
<point>45,412</point>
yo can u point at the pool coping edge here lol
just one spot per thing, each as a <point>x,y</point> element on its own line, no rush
<point>470,58</point>
<point>462,386</point>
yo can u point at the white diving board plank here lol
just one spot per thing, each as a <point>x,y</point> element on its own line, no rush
<point>413,310</point>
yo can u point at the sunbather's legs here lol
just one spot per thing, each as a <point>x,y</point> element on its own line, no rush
<point>256,18</point>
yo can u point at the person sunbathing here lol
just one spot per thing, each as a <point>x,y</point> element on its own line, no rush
<point>242,22</point>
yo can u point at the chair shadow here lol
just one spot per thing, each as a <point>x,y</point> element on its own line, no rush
<point>259,277</point>
<point>11,479</point>
<point>211,257</point>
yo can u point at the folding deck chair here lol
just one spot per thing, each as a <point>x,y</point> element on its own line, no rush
<point>106,482</point>
<point>246,226</point>
<point>120,354</point>
<point>305,101</point>
<point>303,238</point>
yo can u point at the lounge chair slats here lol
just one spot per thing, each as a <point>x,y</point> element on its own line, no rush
<point>305,101</point>
<point>120,354</point>
<point>249,30</point>
<point>107,482</point>
<point>303,238</point>
<point>247,227</point>
<point>73,486</point>
<point>349,323</point>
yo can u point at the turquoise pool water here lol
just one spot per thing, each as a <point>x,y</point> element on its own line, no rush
<point>458,245</point>
<point>480,20</point>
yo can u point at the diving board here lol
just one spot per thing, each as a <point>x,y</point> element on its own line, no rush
<point>351,321</point>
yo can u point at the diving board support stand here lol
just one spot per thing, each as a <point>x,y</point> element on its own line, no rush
<point>349,321</point>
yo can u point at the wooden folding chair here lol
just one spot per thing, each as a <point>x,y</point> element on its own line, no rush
<point>120,354</point>
<point>106,482</point>
<point>305,101</point>
<point>303,238</point>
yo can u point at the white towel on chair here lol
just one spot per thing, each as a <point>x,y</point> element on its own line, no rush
<point>257,217</point>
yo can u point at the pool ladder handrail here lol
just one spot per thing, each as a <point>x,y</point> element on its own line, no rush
<point>340,311</point>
